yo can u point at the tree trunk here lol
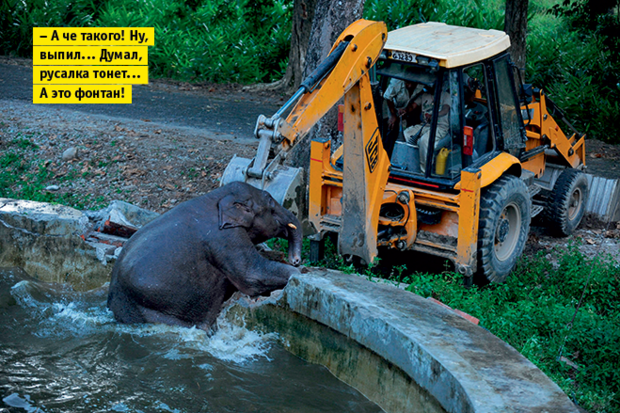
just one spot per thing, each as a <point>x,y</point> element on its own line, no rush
<point>303,16</point>
<point>330,19</point>
<point>515,25</point>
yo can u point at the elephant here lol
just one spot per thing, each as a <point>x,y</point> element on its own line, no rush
<point>181,267</point>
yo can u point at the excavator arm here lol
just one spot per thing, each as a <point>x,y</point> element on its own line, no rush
<point>359,47</point>
<point>344,73</point>
<point>351,57</point>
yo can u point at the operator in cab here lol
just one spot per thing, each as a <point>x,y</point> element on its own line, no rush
<point>398,95</point>
<point>420,134</point>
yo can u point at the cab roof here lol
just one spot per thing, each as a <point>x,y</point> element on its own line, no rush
<point>451,46</point>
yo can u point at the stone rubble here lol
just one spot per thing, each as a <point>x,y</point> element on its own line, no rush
<point>56,243</point>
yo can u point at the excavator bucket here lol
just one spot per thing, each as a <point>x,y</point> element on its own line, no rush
<point>284,183</point>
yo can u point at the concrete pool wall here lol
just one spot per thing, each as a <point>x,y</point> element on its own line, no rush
<point>55,243</point>
<point>402,351</point>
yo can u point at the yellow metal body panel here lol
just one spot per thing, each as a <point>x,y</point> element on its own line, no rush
<point>469,212</point>
<point>325,189</point>
<point>493,169</point>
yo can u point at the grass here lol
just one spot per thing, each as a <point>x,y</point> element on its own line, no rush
<point>532,312</point>
<point>24,176</point>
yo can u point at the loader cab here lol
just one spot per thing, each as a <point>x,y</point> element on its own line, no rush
<point>456,107</point>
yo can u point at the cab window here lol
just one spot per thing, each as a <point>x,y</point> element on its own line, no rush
<point>419,118</point>
<point>510,118</point>
<point>477,111</point>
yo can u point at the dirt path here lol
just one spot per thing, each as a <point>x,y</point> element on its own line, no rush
<point>173,143</point>
<point>221,109</point>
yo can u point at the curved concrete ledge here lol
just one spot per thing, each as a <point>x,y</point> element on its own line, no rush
<point>379,380</point>
<point>463,366</point>
<point>402,351</point>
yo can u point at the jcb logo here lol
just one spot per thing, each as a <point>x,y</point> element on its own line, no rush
<point>372,151</point>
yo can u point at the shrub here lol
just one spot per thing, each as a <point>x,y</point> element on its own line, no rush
<point>532,312</point>
<point>579,73</point>
<point>218,41</point>
<point>17,18</point>
<point>472,13</point>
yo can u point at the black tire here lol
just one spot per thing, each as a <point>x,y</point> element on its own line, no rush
<point>566,204</point>
<point>505,215</point>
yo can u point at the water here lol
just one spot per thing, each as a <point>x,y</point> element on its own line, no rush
<point>62,351</point>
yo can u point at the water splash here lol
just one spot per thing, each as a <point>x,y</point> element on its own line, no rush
<point>60,311</point>
<point>64,351</point>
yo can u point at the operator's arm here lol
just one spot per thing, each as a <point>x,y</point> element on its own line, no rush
<point>393,120</point>
<point>394,89</point>
<point>444,110</point>
<point>408,109</point>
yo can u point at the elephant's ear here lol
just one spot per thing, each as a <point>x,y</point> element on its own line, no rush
<point>235,212</point>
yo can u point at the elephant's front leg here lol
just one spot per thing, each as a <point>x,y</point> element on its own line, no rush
<point>252,273</point>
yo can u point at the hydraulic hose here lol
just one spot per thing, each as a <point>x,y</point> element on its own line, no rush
<point>315,77</point>
<point>324,68</point>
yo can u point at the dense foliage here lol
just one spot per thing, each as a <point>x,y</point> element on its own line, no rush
<point>218,40</point>
<point>572,45</point>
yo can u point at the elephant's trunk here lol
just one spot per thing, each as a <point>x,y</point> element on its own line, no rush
<point>294,237</point>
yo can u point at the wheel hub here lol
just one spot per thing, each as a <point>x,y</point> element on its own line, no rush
<point>502,230</point>
<point>507,231</point>
<point>574,204</point>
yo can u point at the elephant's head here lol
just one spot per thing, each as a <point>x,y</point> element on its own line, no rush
<point>261,216</point>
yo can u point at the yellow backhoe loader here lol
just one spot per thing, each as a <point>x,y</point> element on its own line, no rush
<point>441,154</point>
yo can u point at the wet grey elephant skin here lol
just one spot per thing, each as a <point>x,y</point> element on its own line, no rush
<point>181,267</point>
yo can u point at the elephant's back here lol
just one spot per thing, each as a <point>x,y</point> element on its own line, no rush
<point>171,244</point>
<point>167,259</point>
<point>173,232</point>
